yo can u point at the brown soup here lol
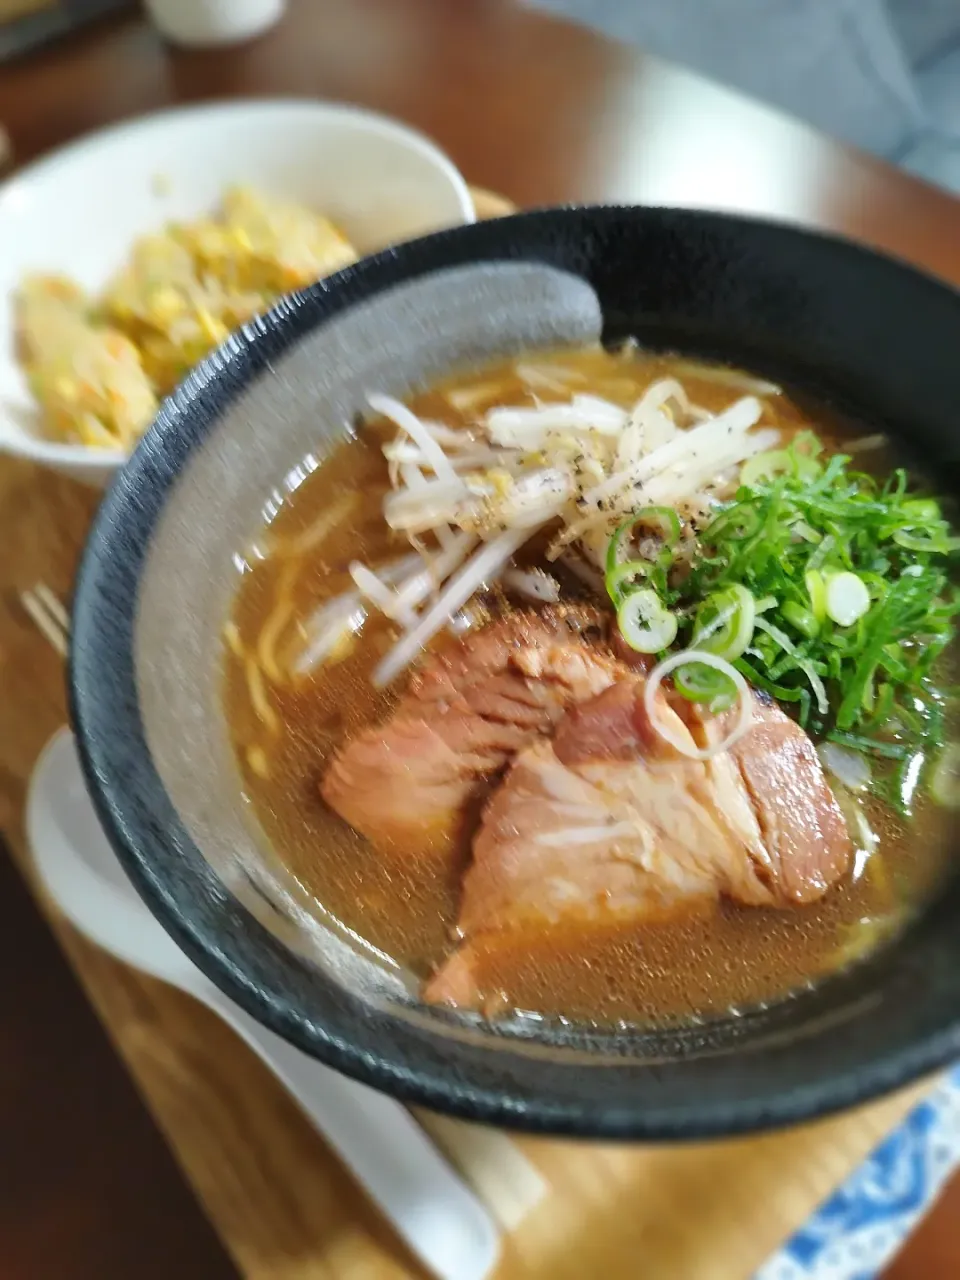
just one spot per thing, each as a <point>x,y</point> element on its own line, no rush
<point>285,732</point>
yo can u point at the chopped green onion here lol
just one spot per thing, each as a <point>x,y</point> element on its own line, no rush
<point>775,462</point>
<point>738,522</point>
<point>817,591</point>
<point>724,622</point>
<point>763,466</point>
<point>801,618</point>
<point>847,598</point>
<point>825,588</point>
<point>644,623</point>
<point>627,577</point>
<point>800,660</point>
<point>669,666</point>
<point>803,530</point>
<point>663,521</point>
<point>923,510</point>
<point>939,545</point>
<point>697,682</point>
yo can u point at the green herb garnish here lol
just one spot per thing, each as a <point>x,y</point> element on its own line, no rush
<point>824,588</point>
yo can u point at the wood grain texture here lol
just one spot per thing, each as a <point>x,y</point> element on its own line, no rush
<point>544,112</point>
<point>77,1140</point>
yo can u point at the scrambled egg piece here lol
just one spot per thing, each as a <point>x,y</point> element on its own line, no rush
<point>172,309</point>
<point>269,245</point>
<point>87,377</point>
<point>97,369</point>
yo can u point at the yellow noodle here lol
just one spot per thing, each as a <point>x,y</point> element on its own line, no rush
<point>272,629</point>
<point>258,696</point>
<point>231,636</point>
<point>257,760</point>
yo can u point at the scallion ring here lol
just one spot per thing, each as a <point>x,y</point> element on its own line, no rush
<point>699,683</point>
<point>626,577</point>
<point>663,522</point>
<point>777,462</point>
<point>644,622</point>
<point>724,622</point>
<point>847,598</point>
<point>682,744</point>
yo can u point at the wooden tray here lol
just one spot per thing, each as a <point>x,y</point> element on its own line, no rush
<point>283,1205</point>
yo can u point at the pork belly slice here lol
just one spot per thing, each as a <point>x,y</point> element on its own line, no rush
<point>413,784</point>
<point>803,829</point>
<point>609,822</point>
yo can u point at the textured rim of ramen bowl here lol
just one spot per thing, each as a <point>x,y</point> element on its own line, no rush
<point>860,330</point>
<point>172,162</point>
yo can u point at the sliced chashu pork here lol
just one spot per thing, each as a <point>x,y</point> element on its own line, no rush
<point>609,822</point>
<point>804,835</point>
<point>413,784</point>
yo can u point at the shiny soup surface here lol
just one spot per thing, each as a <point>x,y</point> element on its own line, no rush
<point>285,731</point>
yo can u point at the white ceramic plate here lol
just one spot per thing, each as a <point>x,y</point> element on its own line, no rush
<point>78,211</point>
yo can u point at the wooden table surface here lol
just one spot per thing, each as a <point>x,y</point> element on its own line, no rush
<point>544,112</point>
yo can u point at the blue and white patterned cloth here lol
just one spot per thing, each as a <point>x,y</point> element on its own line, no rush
<point>855,1233</point>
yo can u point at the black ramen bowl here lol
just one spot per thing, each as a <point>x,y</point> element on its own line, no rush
<point>862,332</point>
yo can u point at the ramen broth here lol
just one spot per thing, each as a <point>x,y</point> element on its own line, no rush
<point>285,732</point>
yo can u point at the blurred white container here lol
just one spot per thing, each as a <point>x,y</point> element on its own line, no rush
<point>78,212</point>
<point>211,22</point>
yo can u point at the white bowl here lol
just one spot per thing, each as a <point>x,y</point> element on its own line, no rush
<point>78,211</point>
